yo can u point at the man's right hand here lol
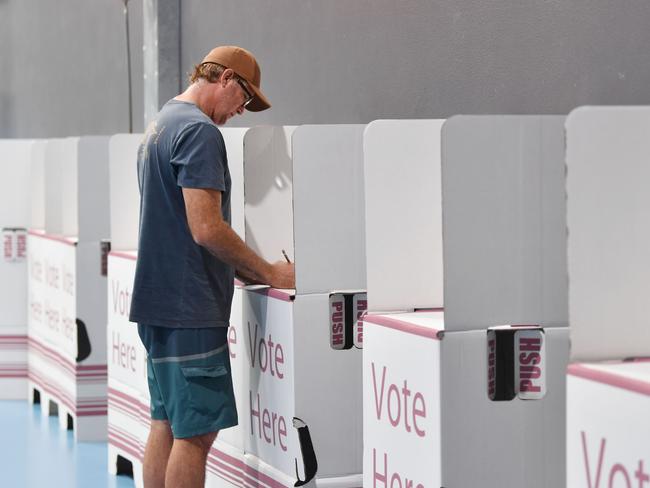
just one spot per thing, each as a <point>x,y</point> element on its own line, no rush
<point>283,275</point>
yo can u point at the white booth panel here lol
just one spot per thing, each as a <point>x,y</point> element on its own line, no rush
<point>268,191</point>
<point>608,214</point>
<point>15,158</point>
<point>37,184</point>
<point>76,187</point>
<point>504,222</point>
<point>124,192</point>
<point>54,153</point>
<point>15,162</point>
<point>69,166</point>
<point>328,208</point>
<point>61,186</point>
<point>403,214</point>
<point>234,139</point>
<point>93,189</point>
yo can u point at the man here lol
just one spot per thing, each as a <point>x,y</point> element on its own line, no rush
<point>186,260</point>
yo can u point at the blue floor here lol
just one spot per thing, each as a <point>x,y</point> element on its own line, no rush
<point>34,452</point>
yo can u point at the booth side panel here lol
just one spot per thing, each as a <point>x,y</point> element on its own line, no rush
<point>401,398</point>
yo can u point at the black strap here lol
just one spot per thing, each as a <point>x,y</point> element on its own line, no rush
<point>308,455</point>
<point>83,342</point>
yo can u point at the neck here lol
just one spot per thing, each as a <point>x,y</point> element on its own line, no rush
<point>196,95</point>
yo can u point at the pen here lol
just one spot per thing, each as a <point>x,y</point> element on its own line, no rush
<point>285,256</point>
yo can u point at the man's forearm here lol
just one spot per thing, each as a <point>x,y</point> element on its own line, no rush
<point>225,244</point>
<point>245,278</point>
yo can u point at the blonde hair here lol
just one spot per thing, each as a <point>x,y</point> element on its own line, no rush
<point>211,72</point>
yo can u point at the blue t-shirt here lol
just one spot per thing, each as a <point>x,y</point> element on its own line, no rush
<point>177,282</point>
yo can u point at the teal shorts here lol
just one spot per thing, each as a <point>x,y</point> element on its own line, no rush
<point>189,378</point>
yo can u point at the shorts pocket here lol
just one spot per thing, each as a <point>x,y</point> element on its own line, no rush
<point>204,371</point>
<point>208,395</point>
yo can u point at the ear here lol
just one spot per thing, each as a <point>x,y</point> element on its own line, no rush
<point>226,76</point>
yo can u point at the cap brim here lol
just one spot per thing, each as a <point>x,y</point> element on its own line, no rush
<point>259,101</point>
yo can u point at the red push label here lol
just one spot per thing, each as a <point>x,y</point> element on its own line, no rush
<point>337,321</point>
<point>530,364</point>
<point>492,364</point>
<point>359,307</point>
<point>21,245</point>
<point>8,246</point>
<point>105,248</point>
<point>14,244</point>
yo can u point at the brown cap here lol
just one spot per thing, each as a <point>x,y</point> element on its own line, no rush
<point>244,64</point>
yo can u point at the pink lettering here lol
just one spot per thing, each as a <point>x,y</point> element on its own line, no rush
<point>269,355</point>
<point>399,404</point>
<point>21,246</point>
<point>601,454</point>
<point>619,475</point>
<point>271,426</point>
<point>266,424</point>
<point>9,246</point>
<point>121,299</point>
<point>641,475</point>
<point>282,433</point>
<point>376,475</point>
<point>279,359</point>
<point>52,318</point>
<point>395,481</point>
<point>124,355</point>
<point>530,360</point>
<point>380,477</point>
<point>492,386</point>
<point>337,323</point>
<point>362,307</point>
<point>530,344</point>
<point>68,283</point>
<point>52,277</point>
<point>37,311</point>
<point>394,420</point>
<point>527,386</point>
<point>619,468</point>
<point>232,342</point>
<point>418,412</point>
<point>68,327</point>
<point>379,399</point>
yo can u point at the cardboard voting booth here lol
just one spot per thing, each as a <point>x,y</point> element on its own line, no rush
<point>67,287</point>
<point>16,160</point>
<point>465,397</point>
<point>128,393</point>
<point>608,382</point>
<point>297,378</point>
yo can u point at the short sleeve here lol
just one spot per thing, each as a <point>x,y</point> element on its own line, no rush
<point>199,157</point>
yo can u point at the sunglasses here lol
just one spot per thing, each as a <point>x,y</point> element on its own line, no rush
<point>249,96</point>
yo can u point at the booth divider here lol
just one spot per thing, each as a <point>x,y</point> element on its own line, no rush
<point>15,213</point>
<point>403,203</point>
<point>268,191</point>
<point>504,221</point>
<point>608,382</point>
<point>67,288</point>
<point>328,208</point>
